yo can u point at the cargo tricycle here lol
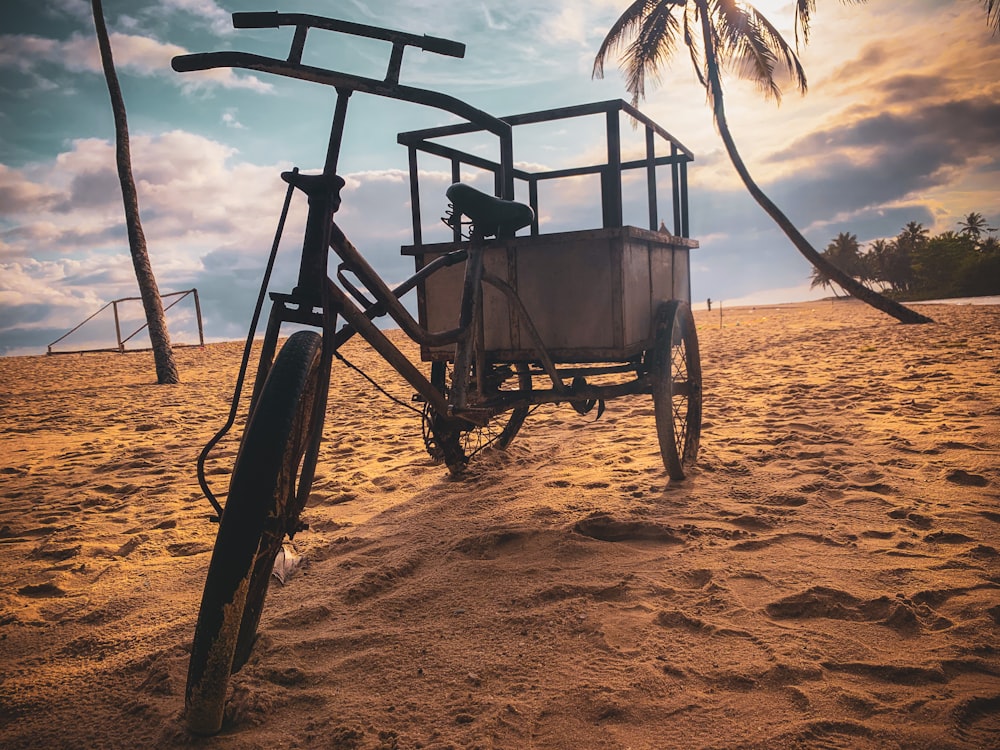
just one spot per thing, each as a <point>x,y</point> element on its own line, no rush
<point>509,317</point>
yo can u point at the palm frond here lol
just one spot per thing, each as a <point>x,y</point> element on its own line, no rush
<point>645,35</point>
<point>803,14</point>
<point>622,29</point>
<point>754,49</point>
<point>993,14</point>
<point>742,47</point>
<point>654,43</point>
<point>694,49</point>
<point>785,54</point>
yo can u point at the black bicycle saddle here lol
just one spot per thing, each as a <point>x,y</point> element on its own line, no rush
<point>312,184</point>
<point>489,215</point>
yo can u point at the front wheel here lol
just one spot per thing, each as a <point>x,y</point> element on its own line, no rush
<point>260,509</point>
<point>675,369</point>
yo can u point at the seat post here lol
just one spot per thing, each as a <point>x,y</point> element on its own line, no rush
<point>324,200</point>
<point>337,132</point>
<point>472,291</point>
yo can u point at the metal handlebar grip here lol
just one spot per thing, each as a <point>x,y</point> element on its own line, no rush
<point>267,19</point>
<point>443,46</point>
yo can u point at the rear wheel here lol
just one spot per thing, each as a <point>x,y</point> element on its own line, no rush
<point>456,442</point>
<point>675,369</point>
<point>260,510</point>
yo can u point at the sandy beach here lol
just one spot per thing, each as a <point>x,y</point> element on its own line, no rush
<point>827,577</point>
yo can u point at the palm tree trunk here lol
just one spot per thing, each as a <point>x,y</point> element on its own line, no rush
<point>163,355</point>
<point>848,283</point>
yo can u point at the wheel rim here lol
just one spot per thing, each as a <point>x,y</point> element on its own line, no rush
<point>684,393</point>
<point>498,432</point>
<point>675,369</point>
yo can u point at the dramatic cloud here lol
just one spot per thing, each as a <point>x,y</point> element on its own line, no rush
<point>881,158</point>
<point>19,194</point>
<point>221,21</point>
<point>139,55</point>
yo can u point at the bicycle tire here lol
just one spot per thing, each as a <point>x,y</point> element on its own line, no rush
<point>465,442</point>
<point>675,369</point>
<point>259,511</point>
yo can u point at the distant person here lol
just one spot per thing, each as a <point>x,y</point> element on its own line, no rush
<point>710,304</point>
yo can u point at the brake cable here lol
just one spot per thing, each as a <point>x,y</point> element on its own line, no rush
<point>234,407</point>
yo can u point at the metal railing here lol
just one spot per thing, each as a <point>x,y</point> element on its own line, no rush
<point>120,348</point>
<point>610,171</point>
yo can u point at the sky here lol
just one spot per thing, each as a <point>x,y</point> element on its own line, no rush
<point>901,123</point>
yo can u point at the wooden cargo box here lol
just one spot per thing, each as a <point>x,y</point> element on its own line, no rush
<point>591,294</point>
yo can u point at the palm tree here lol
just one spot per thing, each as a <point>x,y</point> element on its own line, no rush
<point>818,278</point>
<point>163,355</point>
<point>912,237</point>
<point>974,226</point>
<point>877,260</point>
<point>736,35</point>
<point>842,252</point>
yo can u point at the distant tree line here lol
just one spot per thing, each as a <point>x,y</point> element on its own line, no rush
<point>914,265</point>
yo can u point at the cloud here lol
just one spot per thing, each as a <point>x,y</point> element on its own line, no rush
<point>230,121</point>
<point>78,9</point>
<point>219,20</point>
<point>28,283</point>
<point>877,158</point>
<point>18,193</point>
<point>872,57</point>
<point>191,190</point>
<point>207,216</point>
<point>135,54</point>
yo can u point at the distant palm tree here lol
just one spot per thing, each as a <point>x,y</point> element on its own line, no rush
<point>844,253</point>
<point>818,278</point>
<point>878,261</point>
<point>914,235</point>
<point>734,35</point>
<point>163,355</point>
<point>974,226</point>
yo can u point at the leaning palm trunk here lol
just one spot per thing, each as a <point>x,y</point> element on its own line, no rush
<point>163,356</point>
<point>847,282</point>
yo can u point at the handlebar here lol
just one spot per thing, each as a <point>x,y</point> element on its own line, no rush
<point>273,20</point>
<point>265,19</point>
<point>346,83</point>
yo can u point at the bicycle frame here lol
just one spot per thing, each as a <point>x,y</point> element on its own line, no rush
<point>274,470</point>
<point>316,299</point>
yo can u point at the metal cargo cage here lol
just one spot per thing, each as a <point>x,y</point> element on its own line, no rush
<point>588,295</point>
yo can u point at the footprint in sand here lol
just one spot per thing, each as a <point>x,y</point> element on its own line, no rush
<point>916,519</point>
<point>900,614</point>
<point>560,483</point>
<point>977,720</point>
<point>41,590</point>
<point>966,479</point>
<point>606,528</point>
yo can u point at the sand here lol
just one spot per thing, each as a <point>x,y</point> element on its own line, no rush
<point>827,577</point>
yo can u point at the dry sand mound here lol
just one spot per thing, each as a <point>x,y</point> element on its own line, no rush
<point>828,577</point>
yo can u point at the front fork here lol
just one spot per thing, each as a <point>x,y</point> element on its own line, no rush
<point>310,303</point>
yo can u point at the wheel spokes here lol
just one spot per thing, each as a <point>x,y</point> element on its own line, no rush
<point>680,390</point>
